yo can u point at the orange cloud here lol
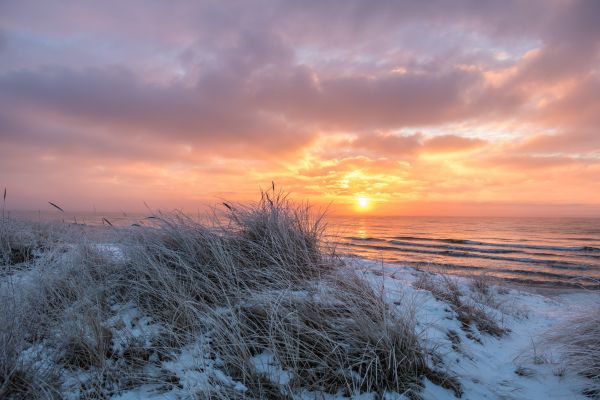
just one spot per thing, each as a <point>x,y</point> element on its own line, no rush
<point>444,109</point>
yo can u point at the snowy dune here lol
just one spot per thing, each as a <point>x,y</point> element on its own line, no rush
<point>516,365</point>
<point>261,308</point>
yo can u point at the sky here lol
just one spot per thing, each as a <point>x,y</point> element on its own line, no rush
<point>466,107</point>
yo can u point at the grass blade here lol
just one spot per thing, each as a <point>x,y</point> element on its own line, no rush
<point>57,207</point>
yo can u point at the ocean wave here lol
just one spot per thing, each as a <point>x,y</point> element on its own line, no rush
<point>591,249</point>
<point>523,275</point>
<point>365,239</point>
<point>503,250</point>
<point>463,248</point>
<point>503,245</point>
<point>464,254</point>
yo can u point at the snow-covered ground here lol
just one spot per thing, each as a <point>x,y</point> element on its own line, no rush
<point>513,366</point>
<point>516,365</point>
<point>508,367</point>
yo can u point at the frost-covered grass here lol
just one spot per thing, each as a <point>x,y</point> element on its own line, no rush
<point>469,311</point>
<point>255,305</point>
<point>337,336</point>
<point>578,340</point>
<point>20,240</point>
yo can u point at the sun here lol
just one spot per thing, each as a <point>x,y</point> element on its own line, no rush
<point>363,202</point>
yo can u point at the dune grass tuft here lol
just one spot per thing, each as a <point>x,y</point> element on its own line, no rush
<point>578,342</point>
<point>339,336</point>
<point>22,377</point>
<point>470,313</point>
<point>259,281</point>
<point>181,266</point>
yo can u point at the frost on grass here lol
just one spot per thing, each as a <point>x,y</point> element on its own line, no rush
<point>22,375</point>
<point>21,241</point>
<point>340,336</point>
<point>577,343</point>
<point>252,305</point>
<point>470,312</point>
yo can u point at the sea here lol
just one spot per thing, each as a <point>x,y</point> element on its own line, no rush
<point>555,252</point>
<point>533,251</point>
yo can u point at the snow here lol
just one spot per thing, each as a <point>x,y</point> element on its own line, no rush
<point>506,367</point>
<point>112,251</point>
<point>488,370</point>
<point>266,363</point>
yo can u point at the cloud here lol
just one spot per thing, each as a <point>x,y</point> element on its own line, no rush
<point>214,113</point>
<point>462,100</point>
<point>563,143</point>
<point>407,146</point>
<point>452,143</point>
<point>388,144</point>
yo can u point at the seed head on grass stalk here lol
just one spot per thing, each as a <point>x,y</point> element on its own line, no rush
<point>57,207</point>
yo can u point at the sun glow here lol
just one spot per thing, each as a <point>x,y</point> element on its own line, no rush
<point>363,202</point>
